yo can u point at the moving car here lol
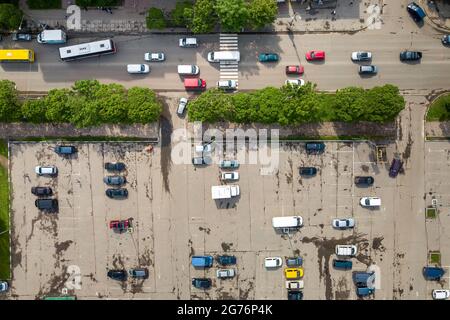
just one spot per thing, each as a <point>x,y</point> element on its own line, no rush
<point>308,171</point>
<point>361,56</point>
<point>120,275</point>
<point>202,261</point>
<point>441,294</point>
<point>117,193</point>
<point>294,261</point>
<point>370,202</point>
<point>273,262</point>
<point>228,164</point>
<point>370,69</point>
<point>295,295</point>
<point>21,36</point>
<point>315,55</point>
<point>201,283</point>
<point>188,42</point>
<point>194,84</point>
<point>225,273</point>
<point>293,273</point>
<point>295,285</point>
<point>65,150</point>
<point>295,69</point>
<point>41,191</point>
<point>229,176</point>
<point>114,180</point>
<point>226,260</point>
<point>46,170</point>
<point>4,286</point>
<point>200,161</point>
<point>346,250</point>
<point>433,273</point>
<point>362,181</point>
<point>416,11</point>
<point>314,147</point>
<point>182,106</point>
<point>188,69</point>
<point>115,166</point>
<point>342,264</point>
<point>295,82</point>
<point>446,39</point>
<point>154,56</point>
<point>410,55</point>
<point>46,204</point>
<point>343,223</point>
<point>227,84</point>
<point>138,273</point>
<point>395,168</point>
<point>138,68</point>
<point>268,57</point>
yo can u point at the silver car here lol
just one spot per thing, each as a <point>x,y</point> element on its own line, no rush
<point>225,273</point>
<point>182,106</point>
<point>368,69</point>
<point>343,223</point>
<point>361,56</point>
<point>154,56</point>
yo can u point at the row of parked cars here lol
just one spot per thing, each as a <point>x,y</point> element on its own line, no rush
<point>204,262</point>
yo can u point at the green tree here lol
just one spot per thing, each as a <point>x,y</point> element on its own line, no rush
<point>111,103</point>
<point>155,19</point>
<point>86,88</point>
<point>211,106</point>
<point>202,17</point>
<point>86,112</point>
<point>10,17</point>
<point>143,106</point>
<point>9,101</point>
<point>350,104</point>
<point>233,14</point>
<point>178,15</point>
<point>262,12</point>
<point>59,108</point>
<point>383,103</point>
<point>34,111</point>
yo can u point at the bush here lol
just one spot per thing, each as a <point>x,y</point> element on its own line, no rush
<point>9,102</point>
<point>155,19</point>
<point>439,109</point>
<point>178,16</point>
<point>44,4</point>
<point>34,111</point>
<point>143,107</point>
<point>10,17</point>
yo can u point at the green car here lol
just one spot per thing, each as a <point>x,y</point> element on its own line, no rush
<point>268,57</point>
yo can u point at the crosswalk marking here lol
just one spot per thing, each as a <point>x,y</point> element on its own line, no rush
<point>229,69</point>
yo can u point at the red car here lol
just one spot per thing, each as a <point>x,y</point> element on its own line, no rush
<point>120,225</point>
<point>294,69</point>
<point>315,55</point>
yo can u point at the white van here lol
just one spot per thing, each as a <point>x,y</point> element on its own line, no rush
<point>287,222</point>
<point>188,42</point>
<point>138,68</point>
<point>218,56</point>
<point>188,69</point>
<point>227,84</point>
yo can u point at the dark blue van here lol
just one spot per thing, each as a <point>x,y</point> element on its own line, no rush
<point>416,12</point>
<point>342,264</point>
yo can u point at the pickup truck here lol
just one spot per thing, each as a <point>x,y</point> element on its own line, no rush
<point>224,192</point>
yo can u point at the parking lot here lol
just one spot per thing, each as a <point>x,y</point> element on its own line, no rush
<point>175,218</point>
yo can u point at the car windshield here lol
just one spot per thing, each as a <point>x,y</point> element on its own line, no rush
<point>363,54</point>
<point>367,201</point>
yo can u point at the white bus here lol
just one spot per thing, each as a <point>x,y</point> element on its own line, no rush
<point>86,50</point>
<point>218,56</point>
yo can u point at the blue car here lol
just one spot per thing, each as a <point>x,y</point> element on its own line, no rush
<point>416,11</point>
<point>295,295</point>
<point>201,283</point>
<point>433,273</point>
<point>362,279</point>
<point>314,147</point>
<point>364,292</point>
<point>202,261</point>
<point>268,57</point>
<point>342,264</point>
<point>226,260</point>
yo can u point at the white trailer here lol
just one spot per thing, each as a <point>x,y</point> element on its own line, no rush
<point>52,37</point>
<point>224,192</point>
<point>287,222</point>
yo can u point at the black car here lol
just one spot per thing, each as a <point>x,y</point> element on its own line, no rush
<point>226,260</point>
<point>115,166</point>
<point>50,205</point>
<point>41,191</point>
<point>120,275</point>
<point>314,147</point>
<point>308,171</point>
<point>295,295</point>
<point>395,168</point>
<point>114,180</point>
<point>21,36</point>
<point>62,150</point>
<point>364,181</point>
<point>117,193</point>
<point>410,55</point>
<point>446,39</point>
<point>201,283</point>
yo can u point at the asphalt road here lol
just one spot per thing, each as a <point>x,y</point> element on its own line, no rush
<point>335,72</point>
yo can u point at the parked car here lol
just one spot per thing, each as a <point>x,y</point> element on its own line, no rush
<point>182,106</point>
<point>362,181</point>
<point>4,286</point>
<point>119,225</point>
<point>315,55</point>
<point>343,223</point>
<point>293,273</point>
<point>273,262</point>
<point>138,273</point>
<point>433,273</point>
<point>446,39</point>
<point>226,260</point>
<point>364,292</point>
<point>295,69</point>
<point>441,294</point>
<point>41,191</point>
<point>201,283</point>
<point>229,176</point>
<point>202,261</point>
<point>370,69</point>
<point>314,147</point>
<point>188,42</point>
<point>204,148</point>
<point>120,275</point>
<point>363,279</point>
<point>227,84</point>
<point>342,264</point>
<point>21,36</point>
<point>349,250</point>
<point>370,202</point>
<point>200,161</point>
<point>295,295</point>
<point>410,55</point>
<point>50,205</point>
<point>395,168</point>
<point>294,285</point>
<point>46,170</point>
<point>115,166</point>
<point>268,57</point>
<point>294,261</point>
<point>114,180</point>
<point>119,193</point>
<point>295,82</point>
<point>416,11</point>
<point>229,164</point>
<point>225,273</point>
<point>62,150</point>
<point>154,56</point>
<point>361,56</point>
<point>308,171</point>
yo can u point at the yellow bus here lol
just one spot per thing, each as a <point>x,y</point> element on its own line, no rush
<point>16,55</point>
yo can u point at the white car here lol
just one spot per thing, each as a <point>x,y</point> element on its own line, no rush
<point>370,202</point>
<point>343,223</point>
<point>138,68</point>
<point>203,148</point>
<point>229,176</point>
<point>188,42</point>
<point>4,286</point>
<point>154,56</point>
<point>46,170</point>
<point>349,250</point>
<point>295,285</point>
<point>361,56</point>
<point>227,84</point>
<point>182,106</point>
<point>295,82</point>
<point>273,262</point>
<point>225,273</point>
<point>441,294</point>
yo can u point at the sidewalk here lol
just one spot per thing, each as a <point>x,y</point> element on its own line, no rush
<point>438,16</point>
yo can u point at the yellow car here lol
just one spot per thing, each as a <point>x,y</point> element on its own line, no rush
<point>293,273</point>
